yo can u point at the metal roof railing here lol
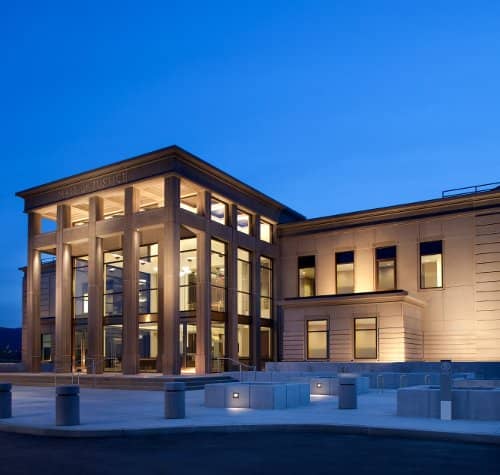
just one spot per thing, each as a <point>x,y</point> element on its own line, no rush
<point>469,190</point>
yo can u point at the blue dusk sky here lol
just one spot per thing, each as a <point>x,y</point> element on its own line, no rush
<point>327,106</point>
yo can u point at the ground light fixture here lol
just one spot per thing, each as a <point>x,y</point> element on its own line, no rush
<point>236,395</point>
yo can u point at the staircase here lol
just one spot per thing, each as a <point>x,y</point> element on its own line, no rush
<point>141,382</point>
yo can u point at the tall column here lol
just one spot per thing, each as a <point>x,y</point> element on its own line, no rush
<point>31,337</point>
<point>232,288</point>
<point>64,280</point>
<point>169,279</point>
<point>131,242</point>
<point>255,327</point>
<point>96,289</point>
<point>203,313</point>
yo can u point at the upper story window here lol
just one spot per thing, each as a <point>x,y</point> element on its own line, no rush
<point>80,287</point>
<point>218,211</point>
<point>266,287</point>
<point>385,262</point>
<point>431,264</point>
<point>218,275</point>
<point>266,231</point>
<point>307,276</point>
<point>244,285</point>
<point>148,279</point>
<point>243,222</point>
<point>189,202</point>
<point>344,272</point>
<point>113,283</point>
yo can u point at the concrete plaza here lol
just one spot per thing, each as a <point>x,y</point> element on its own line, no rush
<point>107,412</point>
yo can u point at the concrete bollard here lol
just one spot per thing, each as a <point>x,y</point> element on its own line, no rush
<point>5,400</point>
<point>348,397</point>
<point>175,400</point>
<point>68,405</point>
<point>445,390</point>
<point>403,381</point>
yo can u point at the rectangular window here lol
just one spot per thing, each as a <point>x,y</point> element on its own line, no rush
<point>307,276</point>
<point>431,264</point>
<point>266,287</point>
<point>80,287</point>
<point>148,279</point>
<point>113,283</point>
<point>243,341</point>
<point>188,274</point>
<point>218,211</point>
<point>189,202</point>
<point>243,222</point>
<point>218,276</point>
<point>266,231</point>
<point>344,272</point>
<point>317,339</point>
<point>365,338</point>
<point>385,258</point>
<point>244,282</point>
<point>113,347</point>
<point>46,346</point>
<point>266,344</point>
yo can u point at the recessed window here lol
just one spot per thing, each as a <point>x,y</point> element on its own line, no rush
<point>218,211</point>
<point>344,267</point>
<point>266,287</point>
<point>243,222</point>
<point>243,282</point>
<point>148,279</point>
<point>188,274</point>
<point>266,231</point>
<point>46,349</point>
<point>218,276</point>
<point>307,276</point>
<point>113,283</point>
<point>189,202</point>
<point>317,339</point>
<point>365,338</point>
<point>386,267</point>
<point>431,264</point>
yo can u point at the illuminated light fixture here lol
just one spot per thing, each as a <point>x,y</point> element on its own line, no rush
<point>318,385</point>
<point>185,271</point>
<point>236,395</point>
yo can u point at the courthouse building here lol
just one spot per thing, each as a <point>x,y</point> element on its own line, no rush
<point>164,263</point>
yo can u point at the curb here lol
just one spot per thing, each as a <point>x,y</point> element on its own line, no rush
<point>418,434</point>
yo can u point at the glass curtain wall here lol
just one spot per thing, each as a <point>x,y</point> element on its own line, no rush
<point>80,312</point>
<point>243,282</point>
<point>218,276</point>
<point>188,274</point>
<point>148,307</point>
<point>113,310</point>
<point>266,287</point>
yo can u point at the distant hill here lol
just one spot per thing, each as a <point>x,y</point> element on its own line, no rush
<point>10,344</point>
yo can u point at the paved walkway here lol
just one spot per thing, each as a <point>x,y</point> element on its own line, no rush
<point>117,412</point>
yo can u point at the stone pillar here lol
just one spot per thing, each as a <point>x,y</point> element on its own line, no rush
<point>255,327</point>
<point>31,337</point>
<point>169,280</point>
<point>131,242</point>
<point>232,288</point>
<point>96,289</point>
<point>64,284</point>
<point>203,312</point>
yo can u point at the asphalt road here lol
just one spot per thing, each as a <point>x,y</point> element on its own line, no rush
<point>273,452</point>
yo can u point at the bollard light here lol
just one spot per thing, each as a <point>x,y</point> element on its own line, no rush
<point>236,395</point>
<point>318,385</point>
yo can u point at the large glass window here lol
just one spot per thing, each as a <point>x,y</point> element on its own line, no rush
<point>113,283</point>
<point>317,339</point>
<point>266,231</point>
<point>189,202</point>
<point>218,211</point>
<point>365,338</point>
<point>148,279</point>
<point>386,267</point>
<point>187,336</point>
<point>243,222</point>
<point>46,346</point>
<point>244,282</point>
<point>243,341</point>
<point>80,287</point>
<point>112,347</point>
<point>266,344</point>
<point>344,267</point>
<point>80,347</point>
<point>307,276</point>
<point>218,345</point>
<point>431,264</point>
<point>187,275</point>
<point>218,276</point>
<point>148,346</point>
<point>266,287</point>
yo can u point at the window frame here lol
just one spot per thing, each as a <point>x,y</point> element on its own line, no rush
<point>327,337</point>
<point>420,255</point>
<point>299,268</point>
<point>353,272</point>
<point>386,259</point>
<point>366,330</point>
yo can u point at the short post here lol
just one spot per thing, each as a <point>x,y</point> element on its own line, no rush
<point>5,400</point>
<point>68,405</point>
<point>348,397</point>
<point>403,381</point>
<point>380,382</point>
<point>175,400</point>
<point>445,390</point>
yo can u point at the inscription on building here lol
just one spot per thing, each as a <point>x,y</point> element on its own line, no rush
<point>93,185</point>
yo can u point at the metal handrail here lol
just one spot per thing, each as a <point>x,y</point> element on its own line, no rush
<point>468,190</point>
<point>240,364</point>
